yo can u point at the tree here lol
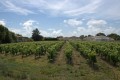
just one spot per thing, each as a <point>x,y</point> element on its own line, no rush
<point>114,36</point>
<point>36,35</point>
<point>89,35</point>
<point>6,36</point>
<point>100,34</point>
<point>13,37</point>
<point>82,37</point>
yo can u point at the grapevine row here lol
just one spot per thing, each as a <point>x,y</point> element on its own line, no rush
<point>68,52</point>
<point>86,51</point>
<point>53,50</point>
<point>26,49</point>
<point>109,51</point>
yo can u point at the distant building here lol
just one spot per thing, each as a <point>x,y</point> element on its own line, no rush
<point>69,38</point>
<point>20,38</point>
<point>98,38</point>
<point>74,38</point>
<point>60,38</point>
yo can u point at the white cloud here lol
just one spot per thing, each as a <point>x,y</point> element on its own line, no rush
<point>74,8</point>
<point>51,33</point>
<point>109,9</point>
<point>95,26</point>
<point>45,33</point>
<point>73,22</point>
<point>56,7</point>
<point>17,31</point>
<point>92,27</point>
<point>81,29</point>
<point>26,29</point>
<point>57,33</point>
<point>99,8</point>
<point>28,26</point>
<point>96,23</point>
<point>2,22</point>
<point>89,8</point>
<point>110,29</point>
<point>53,6</point>
<point>13,8</point>
<point>70,7</point>
<point>92,31</point>
<point>51,29</point>
<point>74,33</point>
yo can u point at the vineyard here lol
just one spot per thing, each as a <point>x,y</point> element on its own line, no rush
<point>55,60</point>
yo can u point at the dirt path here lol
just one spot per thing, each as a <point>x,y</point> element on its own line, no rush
<point>79,61</point>
<point>77,58</point>
<point>105,70</point>
<point>113,71</point>
<point>60,60</point>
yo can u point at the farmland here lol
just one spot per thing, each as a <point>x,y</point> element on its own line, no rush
<point>60,60</point>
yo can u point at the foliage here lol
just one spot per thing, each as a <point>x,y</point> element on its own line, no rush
<point>86,50</point>
<point>100,34</point>
<point>114,36</point>
<point>68,52</point>
<point>82,37</point>
<point>52,51</point>
<point>50,39</point>
<point>6,36</point>
<point>109,51</point>
<point>29,48</point>
<point>36,35</point>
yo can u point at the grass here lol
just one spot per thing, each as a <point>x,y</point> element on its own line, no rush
<point>16,68</point>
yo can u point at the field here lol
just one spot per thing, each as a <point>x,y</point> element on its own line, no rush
<point>60,60</point>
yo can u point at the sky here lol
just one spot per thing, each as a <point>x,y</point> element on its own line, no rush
<point>61,17</point>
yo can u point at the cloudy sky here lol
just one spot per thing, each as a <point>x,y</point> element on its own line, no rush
<point>61,17</point>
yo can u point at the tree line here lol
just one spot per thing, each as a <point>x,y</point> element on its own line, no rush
<point>6,36</point>
<point>37,37</point>
<point>114,36</point>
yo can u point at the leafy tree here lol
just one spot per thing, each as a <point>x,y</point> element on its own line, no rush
<point>82,37</point>
<point>100,34</point>
<point>36,35</point>
<point>89,35</point>
<point>6,36</point>
<point>114,36</point>
<point>13,37</point>
<point>50,39</point>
